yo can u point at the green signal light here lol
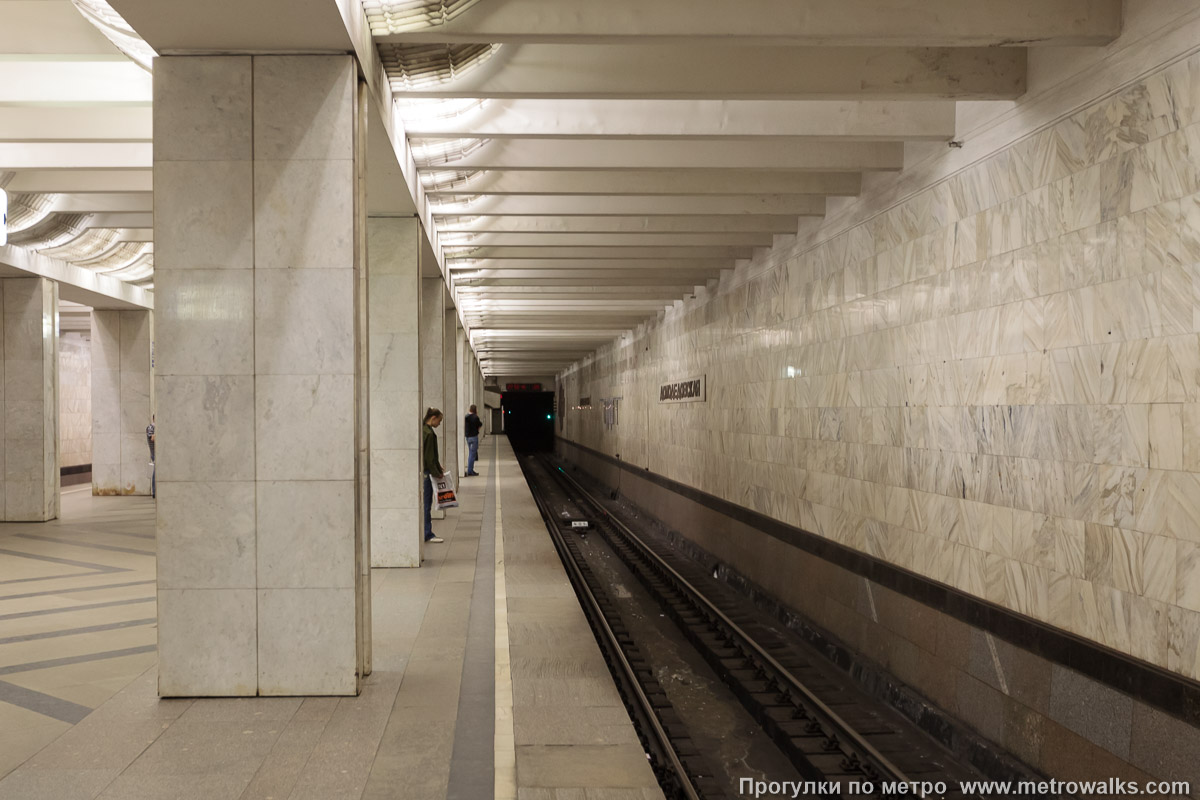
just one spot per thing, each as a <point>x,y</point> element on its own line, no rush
<point>548,416</point>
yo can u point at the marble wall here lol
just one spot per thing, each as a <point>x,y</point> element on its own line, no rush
<point>394,302</point>
<point>121,401</point>
<point>257,230</point>
<point>29,402</point>
<point>74,400</point>
<point>994,383</point>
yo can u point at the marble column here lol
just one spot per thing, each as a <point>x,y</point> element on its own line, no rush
<point>450,438</point>
<point>486,413</point>
<point>432,330</point>
<point>394,303</point>
<point>461,365</point>
<point>121,410</point>
<point>29,399</point>
<point>257,238</point>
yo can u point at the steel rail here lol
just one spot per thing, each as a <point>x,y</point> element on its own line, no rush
<point>861,749</point>
<point>597,614</point>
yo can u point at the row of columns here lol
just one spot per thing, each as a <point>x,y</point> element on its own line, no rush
<point>298,347</point>
<point>121,400</point>
<point>293,350</point>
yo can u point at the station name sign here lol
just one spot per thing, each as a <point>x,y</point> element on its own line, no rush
<point>523,387</point>
<point>689,390</point>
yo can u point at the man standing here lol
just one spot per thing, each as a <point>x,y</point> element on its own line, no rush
<point>154,473</point>
<point>471,426</point>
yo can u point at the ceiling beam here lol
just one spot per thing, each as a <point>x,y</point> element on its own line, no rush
<point>104,202</point>
<point>75,124</point>
<point>700,72</point>
<point>697,181</point>
<point>517,278</point>
<point>569,292</point>
<point>565,284</point>
<point>496,239</point>
<point>819,119</point>
<point>628,307</point>
<point>748,223</point>
<point>949,23</point>
<point>795,205</point>
<point>650,253</point>
<point>514,334</point>
<point>103,79</point>
<point>627,154</point>
<point>119,220</point>
<point>75,155</point>
<point>594,267</point>
<point>236,26</point>
<point>77,181</point>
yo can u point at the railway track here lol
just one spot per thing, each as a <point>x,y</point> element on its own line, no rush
<point>840,740</point>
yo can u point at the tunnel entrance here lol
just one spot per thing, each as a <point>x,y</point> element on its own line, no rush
<point>529,420</point>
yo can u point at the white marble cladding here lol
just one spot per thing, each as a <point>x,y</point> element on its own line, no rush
<point>29,401</point>
<point>995,384</point>
<point>121,406</point>
<point>433,329</point>
<point>395,391</point>
<point>255,212</point>
<point>448,436</point>
<point>74,400</point>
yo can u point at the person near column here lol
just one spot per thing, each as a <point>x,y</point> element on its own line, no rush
<point>471,426</point>
<point>154,469</point>
<point>432,466</point>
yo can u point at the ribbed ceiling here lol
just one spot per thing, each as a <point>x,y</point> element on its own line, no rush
<point>25,212</point>
<point>416,67</point>
<point>435,152</point>
<point>396,16</point>
<point>89,244</point>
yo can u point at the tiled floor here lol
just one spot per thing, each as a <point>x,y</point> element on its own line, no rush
<point>76,616</point>
<point>440,716</point>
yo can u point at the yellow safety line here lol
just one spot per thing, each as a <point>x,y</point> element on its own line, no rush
<point>506,745</point>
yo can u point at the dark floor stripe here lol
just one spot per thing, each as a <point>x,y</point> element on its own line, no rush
<point>69,562</point>
<point>62,662</point>
<point>50,578</point>
<point>73,591</point>
<point>75,543</point>
<point>112,626</point>
<point>44,704</point>
<point>88,607</point>
<point>472,763</point>
<point>100,528</point>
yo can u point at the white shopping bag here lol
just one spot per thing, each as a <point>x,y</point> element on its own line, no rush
<point>444,488</point>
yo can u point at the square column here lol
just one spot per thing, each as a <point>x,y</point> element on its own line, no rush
<point>432,327</point>
<point>462,378</point>
<point>121,408</point>
<point>257,235</point>
<point>30,487</point>
<point>450,438</point>
<point>394,302</point>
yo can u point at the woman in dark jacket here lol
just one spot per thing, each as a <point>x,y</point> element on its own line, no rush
<point>432,466</point>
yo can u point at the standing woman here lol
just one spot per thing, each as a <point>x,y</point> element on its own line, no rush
<point>433,467</point>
